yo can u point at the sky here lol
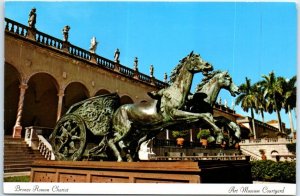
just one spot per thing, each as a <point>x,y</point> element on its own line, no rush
<point>246,39</point>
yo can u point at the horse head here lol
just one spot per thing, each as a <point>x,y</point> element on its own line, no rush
<point>226,82</point>
<point>194,63</point>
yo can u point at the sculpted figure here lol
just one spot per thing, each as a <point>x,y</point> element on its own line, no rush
<point>117,55</point>
<point>32,18</point>
<point>94,44</point>
<point>135,64</point>
<point>66,33</point>
<point>151,70</point>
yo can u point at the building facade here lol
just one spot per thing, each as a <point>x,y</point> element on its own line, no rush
<point>44,76</point>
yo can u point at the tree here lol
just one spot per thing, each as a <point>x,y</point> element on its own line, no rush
<point>273,90</point>
<point>247,100</point>
<point>260,101</point>
<point>289,98</point>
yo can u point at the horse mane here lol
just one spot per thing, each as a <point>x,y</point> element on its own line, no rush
<point>206,79</point>
<point>176,70</point>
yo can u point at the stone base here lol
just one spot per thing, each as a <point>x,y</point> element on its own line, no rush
<point>17,131</point>
<point>142,172</point>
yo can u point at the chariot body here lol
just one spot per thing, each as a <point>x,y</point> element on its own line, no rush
<point>83,127</point>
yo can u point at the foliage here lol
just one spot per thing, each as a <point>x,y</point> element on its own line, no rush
<point>261,151</point>
<point>177,134</point>
<point>203,134</point>
<point>17,179</point>
<point>247,99</point>
<point>291,148</point>
<point>272,171</point>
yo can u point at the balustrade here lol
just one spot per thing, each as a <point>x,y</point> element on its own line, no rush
<point>126,71</point>
<point>144,78</point>
<point>267,141</point>
<point>15,27</point>
<point>42,38</point>
<point>79,52</point>
<point>48,40</point>
<point>105,63</point>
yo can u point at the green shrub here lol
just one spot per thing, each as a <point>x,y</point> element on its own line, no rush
<point>17,179</point>
<point>291,147</point>
<point>203,134</point>
<point>272,171</point>
<point>177,134</point>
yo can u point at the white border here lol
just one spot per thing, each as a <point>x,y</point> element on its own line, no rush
<point>148,188</point>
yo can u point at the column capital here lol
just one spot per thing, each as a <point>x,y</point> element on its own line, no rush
<point>23,86</point>
<point>61,94</point>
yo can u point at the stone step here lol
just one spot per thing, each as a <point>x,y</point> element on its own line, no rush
<point>10,162</point>
<point>22,169</point>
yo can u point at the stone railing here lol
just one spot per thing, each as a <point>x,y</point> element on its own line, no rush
<point>105,63</point>
<point>253,156</point>
<point>45,148</point>
<point>48,40</point>
<point>15,27</point>
<point>35,138</point>
<point>268,141</point>
<point>52,42</point>
<point>199,158</point>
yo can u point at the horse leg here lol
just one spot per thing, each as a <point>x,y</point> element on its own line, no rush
<point>207,117</point>
<point>111,144</point>
<point>124,148</point>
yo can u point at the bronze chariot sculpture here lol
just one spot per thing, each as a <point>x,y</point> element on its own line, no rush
<point>99,128</point>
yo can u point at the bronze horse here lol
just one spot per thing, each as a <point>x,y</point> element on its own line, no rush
<point>206,95</point>
<point>134,122</point>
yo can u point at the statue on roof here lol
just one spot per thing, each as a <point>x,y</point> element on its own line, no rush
<point>117,55</point>
<point>32,18</point>
<point>66,32</point>
<point>93,46</point>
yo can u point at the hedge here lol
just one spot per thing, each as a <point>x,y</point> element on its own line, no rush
<point>272,171</point>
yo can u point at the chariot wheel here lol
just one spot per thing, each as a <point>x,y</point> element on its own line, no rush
<point>68,139</point>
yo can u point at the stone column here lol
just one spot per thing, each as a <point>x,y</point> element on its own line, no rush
<point>191,135</point>
<point>18,127</point>
<point>59,105</point>
<point>167,134</point>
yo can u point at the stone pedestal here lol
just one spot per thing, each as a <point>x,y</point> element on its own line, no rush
<point>31,34</point>
<point>212,171</point>
<point>17,131</point>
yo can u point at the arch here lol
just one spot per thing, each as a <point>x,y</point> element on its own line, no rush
<point>102,92</point>
<point>126,100</point>
<point>74,93</point>
<point>274,152</point>
<point>12,80</point>
<point>53,79</point>
<point>40,103</point>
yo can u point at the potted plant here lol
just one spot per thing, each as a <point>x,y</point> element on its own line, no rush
<point>179,135</point>
<point>263,154</point>
<point>203,134</point>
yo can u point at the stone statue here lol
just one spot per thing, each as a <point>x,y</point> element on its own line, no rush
<point>66,33</point>
<point>151,71</point>
<point>135,64</point>
<point>165,78</point>
<point>94,44</point>
<point>32,18</point>
<point>117,55</point>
